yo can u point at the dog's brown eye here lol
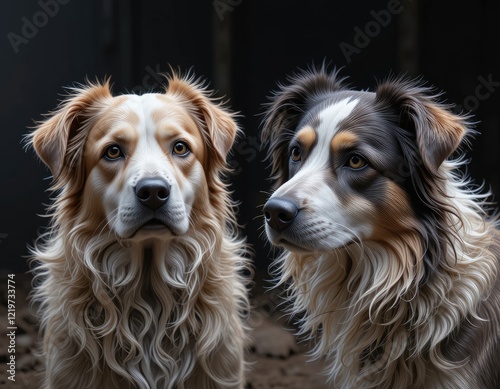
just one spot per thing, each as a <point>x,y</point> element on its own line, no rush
<point>181,149</point>
<point>113,153</point>
<point>295,154</point>
<point>356,162</point>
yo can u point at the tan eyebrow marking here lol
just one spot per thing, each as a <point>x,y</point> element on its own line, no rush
<point>132,118</point>
<point>343,140</point>
<point>306,137</point>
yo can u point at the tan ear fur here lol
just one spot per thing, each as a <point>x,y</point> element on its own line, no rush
<point>437,130</point>
<point>53,136</point>
<point>217,124</point>
<point>446,134</point>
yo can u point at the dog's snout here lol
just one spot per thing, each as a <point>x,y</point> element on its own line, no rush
<point>280,213</point>
<point>152,192</point>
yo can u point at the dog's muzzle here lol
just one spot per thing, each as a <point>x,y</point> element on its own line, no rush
<point>153,195</point>
<point>280,213</point>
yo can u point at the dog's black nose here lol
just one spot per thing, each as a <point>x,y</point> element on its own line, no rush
<point>280,213</point>
<point>152,192</point>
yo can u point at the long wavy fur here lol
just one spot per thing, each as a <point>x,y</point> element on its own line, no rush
<point>113,314</point>
<point>377,326</point>
<point>393,313</point>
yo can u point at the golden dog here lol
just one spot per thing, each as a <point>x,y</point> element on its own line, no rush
<point>140,280</point>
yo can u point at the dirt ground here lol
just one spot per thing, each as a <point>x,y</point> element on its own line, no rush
<point>277,361</point>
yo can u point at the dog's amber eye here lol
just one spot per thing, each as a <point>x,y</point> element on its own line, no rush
<point>356,162</point>
<point>295,154</point>
<point>113,153</point>
<point>181,149</point>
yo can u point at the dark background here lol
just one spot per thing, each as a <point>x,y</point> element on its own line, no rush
<point>243,47</point>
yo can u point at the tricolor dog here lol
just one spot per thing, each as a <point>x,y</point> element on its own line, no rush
<point>390,253</point>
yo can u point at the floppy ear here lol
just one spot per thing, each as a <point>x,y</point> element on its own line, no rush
<point>58,140</point>
<point>285,110</point>
<point>218,126</point>
<point>437,130</point>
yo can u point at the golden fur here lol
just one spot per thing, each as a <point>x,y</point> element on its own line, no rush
<point>158,309</point>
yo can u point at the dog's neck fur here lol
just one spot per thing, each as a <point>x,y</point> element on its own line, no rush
<point>138,300</point>
<point>377,326</point>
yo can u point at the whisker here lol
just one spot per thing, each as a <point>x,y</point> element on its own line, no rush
<point>258,217</point>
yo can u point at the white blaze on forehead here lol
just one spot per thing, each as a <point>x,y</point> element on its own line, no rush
<point>147,146</point>
<point>143,106</point>
<point>150,104</point>
<point>330,119</point>
<point>333,114</point>
<point>319,156</point>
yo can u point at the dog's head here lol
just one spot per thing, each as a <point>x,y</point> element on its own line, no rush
<point>137,165</point>
<point>352,166</point>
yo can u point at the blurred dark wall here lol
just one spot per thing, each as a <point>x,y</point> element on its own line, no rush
<point>243,48</point>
